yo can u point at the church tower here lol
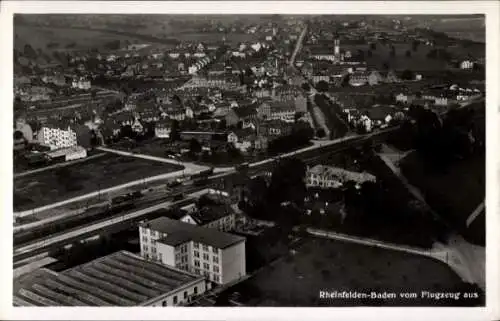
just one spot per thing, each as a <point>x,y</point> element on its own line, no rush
<point>336,44</point>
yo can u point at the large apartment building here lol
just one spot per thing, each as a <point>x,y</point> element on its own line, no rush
<point>218,256</point>
<point>57,137</point>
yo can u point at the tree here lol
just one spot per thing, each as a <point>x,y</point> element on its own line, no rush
<point>322,86</point>
<point>407,75</point>
<point>29,51</point>
<point>320,133</point>
<point>414,45</point>
<point>194,146</point>
<point>287,182</point>
<point>306,86</point>
<point>408,53</point>
<point>393,52</point>
<point>432,54</point>
<point>361,54</point>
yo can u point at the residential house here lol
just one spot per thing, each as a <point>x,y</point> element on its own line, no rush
<point>163,129</point>
<point>242,139</point>
<point>404,98</point>
<point>218,256</point>
<point>244,114</point>
<point>174,111</point>
<point>466,64</point>
<point>220,217</point>
<point>137,126</point>
<point>275,128</point>
<point>81,83</point>
<point>380,115</point>
<point>323,176</point>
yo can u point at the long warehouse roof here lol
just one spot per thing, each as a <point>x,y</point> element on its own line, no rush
<point>119,279</point>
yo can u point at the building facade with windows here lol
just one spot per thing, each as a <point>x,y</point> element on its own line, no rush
<point>57,137</point>
<point>218,256</point>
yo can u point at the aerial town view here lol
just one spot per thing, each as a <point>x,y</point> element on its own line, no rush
<point>249,160</point>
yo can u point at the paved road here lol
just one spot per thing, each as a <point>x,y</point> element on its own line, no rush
<point>472,217</point>
<point>298,46</point>
<point>188,166</point>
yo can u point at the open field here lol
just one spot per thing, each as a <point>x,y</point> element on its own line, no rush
<point>326,265</point>
<point>153,147</point>
<point>39,38</point>
<point>66,182</point>
<point>216,37</point>
<point>454,194</point>
<point>418,60</point>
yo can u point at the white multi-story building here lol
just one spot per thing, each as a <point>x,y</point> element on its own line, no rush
<point>333,177</point>
<point>218,256</point>
<point>81,83</point>
<point>56,137</point>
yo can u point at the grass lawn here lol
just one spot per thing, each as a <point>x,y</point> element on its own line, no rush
<point>66,182</point>
<point>454,193</point>
<point>327,265</point>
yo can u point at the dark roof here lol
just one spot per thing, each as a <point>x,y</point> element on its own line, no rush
<point>179,232</point>
<point>380,112</point>
<point>245,111</point>
<point>210,213</point>
<point>118,279</point>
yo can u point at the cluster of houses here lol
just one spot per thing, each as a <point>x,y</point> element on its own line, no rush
<point>440,95</point>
